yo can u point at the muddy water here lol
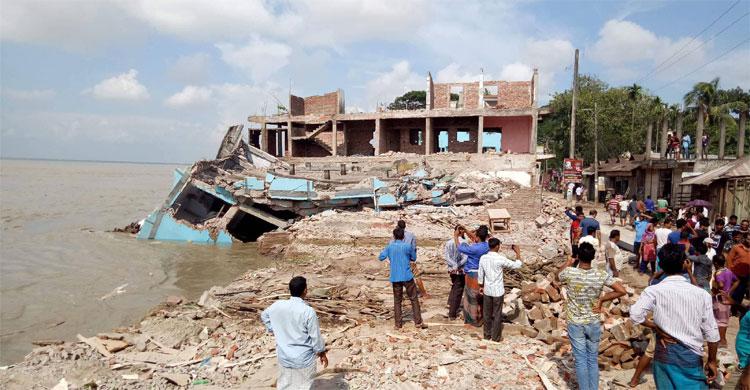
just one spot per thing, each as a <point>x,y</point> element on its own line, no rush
<point>57,259</point>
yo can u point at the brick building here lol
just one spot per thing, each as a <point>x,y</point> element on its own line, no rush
<point>459,117</point>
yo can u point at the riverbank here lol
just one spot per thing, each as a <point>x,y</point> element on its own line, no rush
<point>219,342</point>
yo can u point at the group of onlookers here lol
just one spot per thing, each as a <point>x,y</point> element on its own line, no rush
<point>680,148</point>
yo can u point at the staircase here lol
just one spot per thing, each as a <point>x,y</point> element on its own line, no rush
<point>314,133</point>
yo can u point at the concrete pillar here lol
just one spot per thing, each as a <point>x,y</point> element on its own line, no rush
<point>344,151</point>
<point>533,135</point>
<point>289,143</point>
<point>378,137</point>
<point>480,134</point>
<point>722,137</point>
<point>264,138</point>
<point>335,139</point>
<point>429,139</point>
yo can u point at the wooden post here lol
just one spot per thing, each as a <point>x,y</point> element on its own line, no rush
<point>572,146</point>
<point>480,134</point>
<point>334,139</point>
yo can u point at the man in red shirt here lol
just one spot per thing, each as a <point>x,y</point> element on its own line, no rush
<point>575,228</point>
<point>738,261</point>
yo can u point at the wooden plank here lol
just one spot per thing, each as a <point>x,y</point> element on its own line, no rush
<point>264,216</point>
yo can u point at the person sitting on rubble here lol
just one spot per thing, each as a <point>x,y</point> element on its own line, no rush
<point>411,239</point>
<point>492,287</point>
<point>298,340</point>
<point>472,296</point>
<point>584,287</point>
<point>455,261</point>
<point>400,254</point>
<point>683,320</point>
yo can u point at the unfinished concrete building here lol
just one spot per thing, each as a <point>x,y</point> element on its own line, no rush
<point>472,117</point>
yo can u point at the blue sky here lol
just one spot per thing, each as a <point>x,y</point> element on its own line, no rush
<point>160,81</point>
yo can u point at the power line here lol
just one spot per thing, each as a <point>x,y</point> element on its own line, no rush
<point>703,66</point>
<point>707,41</point>
<point>689,43</point>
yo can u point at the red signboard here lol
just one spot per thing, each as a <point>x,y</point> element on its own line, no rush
<point>572,171</point>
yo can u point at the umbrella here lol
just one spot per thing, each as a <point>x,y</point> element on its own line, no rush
<point>699,203</point>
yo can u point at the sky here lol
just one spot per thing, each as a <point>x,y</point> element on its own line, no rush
<point>160,81</point>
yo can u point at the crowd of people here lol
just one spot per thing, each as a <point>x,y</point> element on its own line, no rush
<point>698,278</point>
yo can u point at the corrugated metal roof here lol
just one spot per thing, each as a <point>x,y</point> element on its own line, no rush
<point>623,166</point>
<point>737,169</point>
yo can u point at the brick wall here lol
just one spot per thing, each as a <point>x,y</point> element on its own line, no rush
<point>511,94</point>
<point>358,136</point>
<point>322,104</point>
<point>516,132</point>
<point>296,105</point>
<point>452,125</point>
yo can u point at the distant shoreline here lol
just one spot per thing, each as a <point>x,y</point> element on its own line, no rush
<point>92,161</point>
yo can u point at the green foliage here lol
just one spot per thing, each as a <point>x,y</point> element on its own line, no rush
<point>412,100</point>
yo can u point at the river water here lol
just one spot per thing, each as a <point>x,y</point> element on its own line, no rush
<point>58,258</point>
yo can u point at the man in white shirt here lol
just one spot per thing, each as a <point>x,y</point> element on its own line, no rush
<point>613,254</point>
<point>490,278</point>
<point>662,234</point>
<point>624,211</point>
<point>683,319</point>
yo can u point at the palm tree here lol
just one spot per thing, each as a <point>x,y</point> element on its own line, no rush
<point>720,113</point>
<point>702,97</point>
<point>635,92</point>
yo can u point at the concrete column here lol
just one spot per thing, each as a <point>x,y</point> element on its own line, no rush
<point>289,143</point>
<point>480,134</point>
<point>335,139</point>
<point>264,138</point>
<point>345,152</point>
<point>533,136</point>
<point>429,139</point>
<point>378,137</point>
<point>722,137</point>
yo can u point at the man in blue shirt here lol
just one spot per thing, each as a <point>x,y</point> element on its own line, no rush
<point>681,225</point>
<point>640,225</point>
<point>650,205</point>
<point>472,297</point>
<point>298,338</point>
<point>400,254</point>
<point>591,222</point>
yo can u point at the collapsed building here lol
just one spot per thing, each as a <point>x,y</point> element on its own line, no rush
<point>316,157</point>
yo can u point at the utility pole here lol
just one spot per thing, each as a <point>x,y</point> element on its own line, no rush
<point>572,152</point>
<point>596,154</point>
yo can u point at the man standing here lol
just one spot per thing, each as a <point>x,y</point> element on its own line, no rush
<point>613,207</point>
<point>613,254</point>
<point>591,222</point>
<point>686,141</point>
<point>298,340</point>
<point>400,254</point>
<point>624,203</point>
<point>455,261</point>
<point>491,279</point>
<point>717,235</point>
<point>633,209</point>
<point>575,229</point>
<point>650,205</point>
<point>738,261</point>
<point>731,225</point>
<point>472,295</point>
<point>704,142</point>
<point>662,234</point>
<point>640,224</point>
<point>683,319</point>
<point>584,302</point>
<point>411,239</point>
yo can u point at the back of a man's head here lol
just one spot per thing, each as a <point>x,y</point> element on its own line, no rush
<point>672,259</point>
<point>680,223</point>
<point>615,233</point>
<point>590,230</point>
<point>398,233</point>
<point>401,223</point>
<point>483,232</point>
<point>586,252</point>
<point>297,286</point>
<point>494,243</point>
<point>592,213</point>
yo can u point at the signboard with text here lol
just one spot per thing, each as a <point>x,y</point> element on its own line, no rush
<point>572,171</point>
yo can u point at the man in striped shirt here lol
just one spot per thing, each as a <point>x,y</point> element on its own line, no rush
<point>683,319</point>
<point>584,287</point>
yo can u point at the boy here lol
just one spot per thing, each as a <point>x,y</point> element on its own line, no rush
<point>723,281</point>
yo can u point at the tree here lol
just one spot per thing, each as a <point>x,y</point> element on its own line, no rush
<point>738,102</point>
<point>702,98</point>
<point>635,92</point>
<point>412,100</point>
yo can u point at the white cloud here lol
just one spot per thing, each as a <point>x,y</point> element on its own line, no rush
<point>191,69</point>
<point>388,85</point>
<point>259,58</point>
<point>77,26</point>
<point>621,41</point>
<point>124,86</point>
<point>516,71</point>
<point>190,96</point>
<point>29,94</point>
<point>453,72</point>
